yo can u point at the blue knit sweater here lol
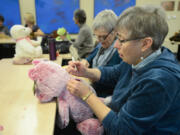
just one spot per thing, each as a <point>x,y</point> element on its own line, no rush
<point>102,90</point>
<point>145,101</point>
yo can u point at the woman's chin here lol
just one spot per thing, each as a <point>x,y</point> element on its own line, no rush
<point>121,56</point>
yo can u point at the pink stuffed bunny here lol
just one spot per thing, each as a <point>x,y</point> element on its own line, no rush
<point>51,80</point>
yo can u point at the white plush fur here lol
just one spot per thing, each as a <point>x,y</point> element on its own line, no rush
<point>26,49</point>
<point>107,100</point>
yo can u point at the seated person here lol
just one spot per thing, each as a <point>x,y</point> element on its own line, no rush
<point>63,35</point>
<point>104,54</point>
<point>30,22</point>
<point>146,97</point>
<point>63,40</point>
<point>84,42</point>
<point>3,29</point>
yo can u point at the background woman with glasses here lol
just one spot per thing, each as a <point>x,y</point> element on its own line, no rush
<point>146,97</point>
<point>104,54</point>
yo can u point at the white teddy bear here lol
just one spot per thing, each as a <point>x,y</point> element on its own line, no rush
<point>26,49</point>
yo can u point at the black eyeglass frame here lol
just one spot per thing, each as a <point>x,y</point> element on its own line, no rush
<point>126,40</point>
<point>105,37</point>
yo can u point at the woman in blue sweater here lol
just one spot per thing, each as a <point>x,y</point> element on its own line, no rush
<point>104,54</point>
<point>147,84</point>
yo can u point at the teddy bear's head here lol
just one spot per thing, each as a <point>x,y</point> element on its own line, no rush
<point>19,31</point>
<point>50,79</point>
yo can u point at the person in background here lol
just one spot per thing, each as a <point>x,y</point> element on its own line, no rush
<point>30,22</point>
<point>3,29</point>
<point>63,35</point>
<point>146,97</point>
<point>84,42</point>
<point>63,41</point>
<point>104,54</point>
<point>5,49</point>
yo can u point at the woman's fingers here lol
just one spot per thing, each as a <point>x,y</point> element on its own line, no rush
<point>77,87</point>
<point>73,87</point>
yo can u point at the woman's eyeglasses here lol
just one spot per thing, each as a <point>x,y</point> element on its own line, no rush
<point>126,40</point>
<point>103,38</point>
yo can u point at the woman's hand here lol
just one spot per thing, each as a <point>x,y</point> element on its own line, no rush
<point>78,88</point>
<point>76,68</point>
<point>39,32</point>
<point>85,62</point>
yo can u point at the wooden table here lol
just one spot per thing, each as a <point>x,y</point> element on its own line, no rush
<point>20,111</point>
<point>58,59</point>
<point>7,41</point>
<point>66,56</point>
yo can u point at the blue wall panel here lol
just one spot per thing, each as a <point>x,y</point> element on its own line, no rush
<point>52,14</point>
<point>116,5</point>
<point>11,12</point>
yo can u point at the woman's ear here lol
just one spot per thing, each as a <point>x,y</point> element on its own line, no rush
<point>147,43</point>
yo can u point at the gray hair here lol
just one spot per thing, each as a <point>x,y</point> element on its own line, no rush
<point>145,21</point>
<point>106,19</point>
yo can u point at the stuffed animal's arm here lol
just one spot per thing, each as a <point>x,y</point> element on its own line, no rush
<point>90,127</point>
<point>36,43</point>
<point>63,109</point>
<point>106,100</point>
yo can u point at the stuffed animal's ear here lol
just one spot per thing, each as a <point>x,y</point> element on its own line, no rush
<point>35,62</point>
<point>32,74</point>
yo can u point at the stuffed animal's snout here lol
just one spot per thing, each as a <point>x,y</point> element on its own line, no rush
<point>32,74</point>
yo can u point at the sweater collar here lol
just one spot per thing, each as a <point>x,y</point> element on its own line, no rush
<point>147,60</point>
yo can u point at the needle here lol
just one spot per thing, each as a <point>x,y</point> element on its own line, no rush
<point>73,59</point>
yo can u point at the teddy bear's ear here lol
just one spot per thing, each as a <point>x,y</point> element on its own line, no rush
<point>32,74</point>
<point>35,62</point>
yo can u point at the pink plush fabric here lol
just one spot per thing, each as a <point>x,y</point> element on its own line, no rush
<point>51,80</point>
<point>91,127</point>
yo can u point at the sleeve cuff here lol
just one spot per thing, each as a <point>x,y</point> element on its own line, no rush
<point>107,120</point>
